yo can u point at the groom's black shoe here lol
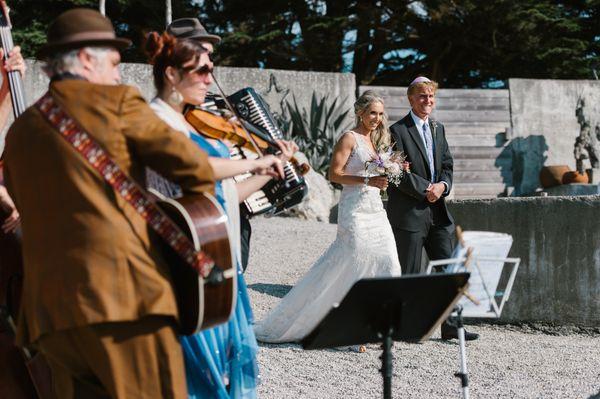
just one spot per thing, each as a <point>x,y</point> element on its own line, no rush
<point>450,331</point>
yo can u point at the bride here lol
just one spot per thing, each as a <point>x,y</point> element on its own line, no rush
<point>364,245</point>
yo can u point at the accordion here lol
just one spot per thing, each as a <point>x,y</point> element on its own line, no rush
<point>277,195</point>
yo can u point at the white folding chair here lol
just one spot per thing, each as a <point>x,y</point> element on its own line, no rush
<point>484,254</point>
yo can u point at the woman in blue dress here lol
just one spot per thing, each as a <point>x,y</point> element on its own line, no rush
<point>220,362</point>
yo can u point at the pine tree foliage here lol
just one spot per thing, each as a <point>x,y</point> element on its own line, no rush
<point>460,43</point>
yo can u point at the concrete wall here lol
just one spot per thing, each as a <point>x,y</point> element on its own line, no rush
<point>558,241</point>
<point>276,86</point>
<point>544,124</point>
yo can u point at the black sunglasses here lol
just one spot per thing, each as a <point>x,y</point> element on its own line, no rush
<point>200,70</point>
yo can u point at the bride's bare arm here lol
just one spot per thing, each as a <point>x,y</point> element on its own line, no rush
<point>341,153</point>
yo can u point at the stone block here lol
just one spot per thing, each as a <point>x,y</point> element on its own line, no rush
<point>573,189</point>
<point>546,108</point>
<point>558,241</point>
<point>320,197</point>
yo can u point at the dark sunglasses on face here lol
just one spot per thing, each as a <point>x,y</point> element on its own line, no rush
<point>199,70</point>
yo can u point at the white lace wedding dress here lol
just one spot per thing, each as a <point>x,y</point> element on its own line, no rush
<point>364,247</point>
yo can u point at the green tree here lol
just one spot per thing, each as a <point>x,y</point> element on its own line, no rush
<point>381,30</point>
<point>460,43</point>
<point>474,43</point>
<point>255,34</point>
<point>131,18</point>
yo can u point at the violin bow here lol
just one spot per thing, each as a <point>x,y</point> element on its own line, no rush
<point>235,113</point>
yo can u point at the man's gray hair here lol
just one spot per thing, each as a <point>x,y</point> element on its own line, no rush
<point>68,62</point>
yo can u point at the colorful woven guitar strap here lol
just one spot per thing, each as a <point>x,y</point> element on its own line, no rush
<point>131,192</point>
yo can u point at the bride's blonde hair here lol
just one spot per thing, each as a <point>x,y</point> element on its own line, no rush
<point>381,137</point>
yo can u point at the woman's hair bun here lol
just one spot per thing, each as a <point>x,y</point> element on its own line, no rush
<point>157,45</point>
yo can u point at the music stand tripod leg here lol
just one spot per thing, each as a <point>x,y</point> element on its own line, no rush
<point>387,364</point>
<point>463,375</point>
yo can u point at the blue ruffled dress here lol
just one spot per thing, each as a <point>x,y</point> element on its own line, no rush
<point>221,362</point>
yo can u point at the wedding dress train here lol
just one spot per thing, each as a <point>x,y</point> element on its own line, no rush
<point>364,247</point>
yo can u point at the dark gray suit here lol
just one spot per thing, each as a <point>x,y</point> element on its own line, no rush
<point>416,222</point>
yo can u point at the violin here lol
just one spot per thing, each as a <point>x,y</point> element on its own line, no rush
<point>217,125</point>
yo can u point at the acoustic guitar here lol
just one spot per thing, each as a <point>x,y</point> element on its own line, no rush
<point>201,303</point>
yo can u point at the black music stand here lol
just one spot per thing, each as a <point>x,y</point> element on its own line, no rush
<point>389,309</point>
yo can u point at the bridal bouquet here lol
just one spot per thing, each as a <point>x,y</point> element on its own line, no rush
<point>391,164</point>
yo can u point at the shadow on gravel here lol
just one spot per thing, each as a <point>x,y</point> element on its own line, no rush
<point>596,396</point>
<point>453,342</point>
<point>539,327</point>
<point>276,290</point>
<point>298,347</point>
<point>287,345</point>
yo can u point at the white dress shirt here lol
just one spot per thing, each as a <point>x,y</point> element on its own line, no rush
<point>419,123</point>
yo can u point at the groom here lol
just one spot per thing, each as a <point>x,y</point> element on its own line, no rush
<point>416,207</point>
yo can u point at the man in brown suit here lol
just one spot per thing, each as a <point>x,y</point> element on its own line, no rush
<point>97,299</point>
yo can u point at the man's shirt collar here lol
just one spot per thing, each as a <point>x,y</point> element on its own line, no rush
<point>418,121</point>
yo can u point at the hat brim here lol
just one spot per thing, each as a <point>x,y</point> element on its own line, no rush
<point>59,47</point>
<point>214,39</point>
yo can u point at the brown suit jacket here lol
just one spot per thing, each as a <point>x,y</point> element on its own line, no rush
<point>88,255</point>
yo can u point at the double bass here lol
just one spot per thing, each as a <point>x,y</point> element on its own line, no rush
<point>23,374</point>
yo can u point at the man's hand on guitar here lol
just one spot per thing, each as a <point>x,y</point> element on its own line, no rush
<point>15,61</point>
<point>269,165</point>
<point>13,219</point>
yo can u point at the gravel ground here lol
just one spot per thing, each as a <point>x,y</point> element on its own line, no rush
<point>506,362</point>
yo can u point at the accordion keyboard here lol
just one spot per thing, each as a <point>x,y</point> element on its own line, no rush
<point>257,202</point>
<point>257,115</point>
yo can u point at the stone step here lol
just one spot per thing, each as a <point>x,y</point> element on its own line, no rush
<point>477,176</point>
<point>465,116</point>
<point>479,152</point>
<point>477,190</point>
<point>451,103</point>
<point>457,116</point>
<point>495,129</point>
<point>441,93</point>
<point>475,128</point>
<point>470,140</point>
<point>475,164</point>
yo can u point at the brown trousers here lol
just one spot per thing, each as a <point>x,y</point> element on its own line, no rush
<point>138,359</point>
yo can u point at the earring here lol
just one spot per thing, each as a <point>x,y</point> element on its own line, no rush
<point>175,98</point>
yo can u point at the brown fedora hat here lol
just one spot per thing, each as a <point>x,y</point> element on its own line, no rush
<point>80,27</point>
<point>191,28</point>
